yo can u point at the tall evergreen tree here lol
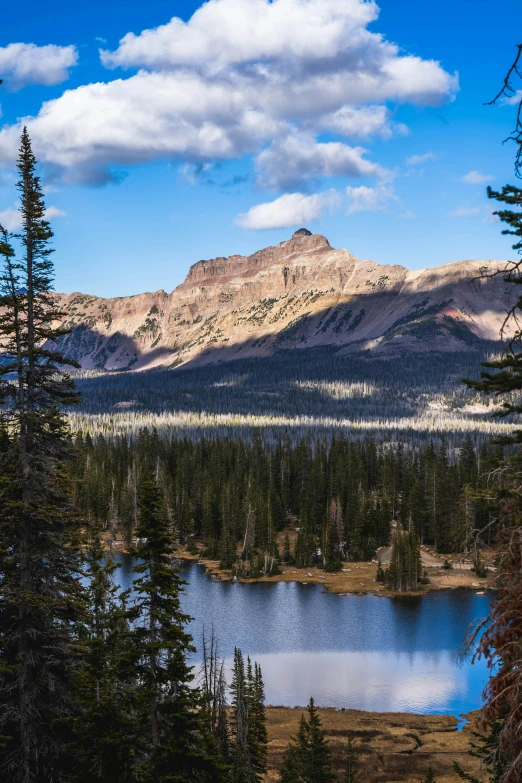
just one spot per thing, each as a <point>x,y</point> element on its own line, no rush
<point>293,756</point>
<point>39,591</point>
<point>351,762</point>
<point>308,757</point>
<point>287,551</point>
<point>105,727</point>
<point>404,571</point>
<point>257,720</point>
<point>243,770</point>
<point>173,739</point>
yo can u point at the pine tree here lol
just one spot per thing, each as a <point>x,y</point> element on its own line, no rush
<point>351,762</point>
<point>287,551</point>
<point>308,757</point>
<point>335,515</point>
<point>485,747</point>
<point>466,775</point>
<point>404,571</point>
<point>8,609</point>
<point>213,685</point>
<point>241,754</point>
<point>257,722</point>
<point>105,727</point>
<point>227,548</point>
<point>173,739</point>
<point>292,759</point>
<point>463,520</point>
<point>248,722</point>
<point>429,777</point>
<point>318,767</point>
<point>41,595</point>
<point>468,462</point>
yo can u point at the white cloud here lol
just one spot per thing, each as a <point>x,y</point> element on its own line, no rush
<point>415,160</point>
<point>365,199</point>
<point>322,36</point>
<point>54,212</point>
<point>228,32</point>
<point>22,64</point>
<point>477,178</point>
<point>299,49</point>
<point>148,117</point>
<point>237,77</point>
<point>362,121</point>
<point>292,209</point>
<point>11,218</point>
<point>466,212</point>
<point>298,158</point>
<point>512,100</point>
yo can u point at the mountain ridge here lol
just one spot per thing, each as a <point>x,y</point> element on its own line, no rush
<point>298,294</point>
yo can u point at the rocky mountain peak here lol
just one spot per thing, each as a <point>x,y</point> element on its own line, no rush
<point>220,269</point>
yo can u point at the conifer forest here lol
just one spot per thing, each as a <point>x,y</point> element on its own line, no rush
<point>237,496</point>
<point>376,482</point>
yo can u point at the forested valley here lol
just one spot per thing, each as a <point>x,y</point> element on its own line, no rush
<point>236,496</point>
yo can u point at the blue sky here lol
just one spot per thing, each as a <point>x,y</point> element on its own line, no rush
<point>193,136</point>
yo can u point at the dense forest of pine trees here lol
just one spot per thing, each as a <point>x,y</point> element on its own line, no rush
<point>341,495</point>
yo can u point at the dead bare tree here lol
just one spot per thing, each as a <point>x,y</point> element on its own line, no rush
<point>509,92</point>
<point>214,687</point>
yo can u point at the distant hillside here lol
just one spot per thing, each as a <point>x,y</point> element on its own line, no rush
<point>301,294</point>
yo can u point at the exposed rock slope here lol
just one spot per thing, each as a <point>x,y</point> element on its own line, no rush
<point>300,294</point>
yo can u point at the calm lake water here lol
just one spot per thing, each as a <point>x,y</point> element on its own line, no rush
<point>363,652</point>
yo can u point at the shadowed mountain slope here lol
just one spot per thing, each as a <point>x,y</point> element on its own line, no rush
<point>300,294</point>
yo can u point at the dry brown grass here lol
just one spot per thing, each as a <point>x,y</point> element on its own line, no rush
<point>394,747</point>
<point>358,578</point>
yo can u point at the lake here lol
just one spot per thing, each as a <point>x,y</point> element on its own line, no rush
<point>363,652</point>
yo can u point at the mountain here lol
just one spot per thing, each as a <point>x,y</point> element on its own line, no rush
<point>300,294</point>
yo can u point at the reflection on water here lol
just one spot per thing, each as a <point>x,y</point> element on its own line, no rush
<point>371,681</point>
<point>361,652</point>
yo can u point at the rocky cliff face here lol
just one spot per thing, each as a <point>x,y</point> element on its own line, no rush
<point>300,294</point>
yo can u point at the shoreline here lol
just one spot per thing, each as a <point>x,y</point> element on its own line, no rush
<point>356,578</point>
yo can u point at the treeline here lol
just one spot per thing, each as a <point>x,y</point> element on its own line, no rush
<point>237,496</point>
